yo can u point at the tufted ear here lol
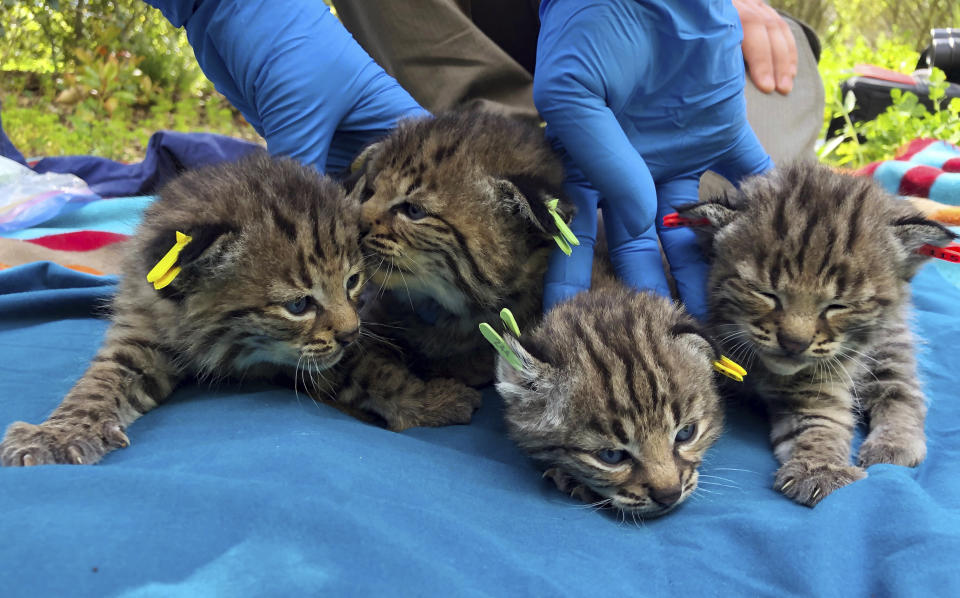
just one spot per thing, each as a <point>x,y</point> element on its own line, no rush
<point>358,168</point>
<point>711,215</point>
<point>529,195</point>
<point>212,252</point>
<point>689,332</point>
<point>913,232</point>
<point>534,393</point>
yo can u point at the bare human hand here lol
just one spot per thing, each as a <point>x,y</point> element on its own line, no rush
<point>768,47</point>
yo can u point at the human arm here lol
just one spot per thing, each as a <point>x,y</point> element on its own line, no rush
<point>294,73</point>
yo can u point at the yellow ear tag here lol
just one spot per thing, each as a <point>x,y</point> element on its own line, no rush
<point>562,226</point>
<point>500,345</point>
<point>564,247</point>
<point>165,271</point>
<point>729,368</point>
<point>507,316</point>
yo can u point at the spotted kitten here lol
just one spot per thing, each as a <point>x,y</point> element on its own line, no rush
<point>454,217</point>
<point>810,275</point>
<point>270,285</point>
<point>616,397</point>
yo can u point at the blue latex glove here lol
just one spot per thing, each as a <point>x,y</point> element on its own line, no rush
<point>642,96</point>
<point>296,75</point>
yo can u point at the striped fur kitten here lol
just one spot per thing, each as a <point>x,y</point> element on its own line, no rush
<point>454,217</point>
<point>270,286</point>
<point>616,396</point>
<point>810,276</point>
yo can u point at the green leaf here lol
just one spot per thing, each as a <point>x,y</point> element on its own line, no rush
<point>827,148</point>
<point>849,101</point>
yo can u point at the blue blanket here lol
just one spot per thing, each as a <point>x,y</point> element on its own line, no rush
<point>254,490</point>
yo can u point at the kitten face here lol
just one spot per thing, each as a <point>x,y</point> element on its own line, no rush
<point>799,319</point>
<point>274,279</point>
<point>450,205</point>
<point>616,390</point>
<point>807,264</point>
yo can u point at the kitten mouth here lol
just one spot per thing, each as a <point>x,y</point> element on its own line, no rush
<point>320,363</point>
<point>645,510</point>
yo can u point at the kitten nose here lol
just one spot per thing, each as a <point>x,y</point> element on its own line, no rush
<point>666,497</point>
<point>345,337</point>
<point>792,344</point>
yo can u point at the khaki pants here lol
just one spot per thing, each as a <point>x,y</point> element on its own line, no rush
<point>479,53</point>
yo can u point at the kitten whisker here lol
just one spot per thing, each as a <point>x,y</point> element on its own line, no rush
<point>708,483</point>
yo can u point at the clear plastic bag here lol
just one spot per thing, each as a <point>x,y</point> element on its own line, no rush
<point>28,198</point>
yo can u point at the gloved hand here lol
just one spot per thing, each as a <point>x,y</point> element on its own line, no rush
<point>642,96</point>
<point>296,75</point>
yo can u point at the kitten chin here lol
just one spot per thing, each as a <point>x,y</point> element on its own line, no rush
<point>783,366</point>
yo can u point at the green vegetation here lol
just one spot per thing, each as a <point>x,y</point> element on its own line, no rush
<point>888,34</point>
<point>100,76</point>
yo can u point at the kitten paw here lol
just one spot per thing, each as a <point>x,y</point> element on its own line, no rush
<point>72,442</point>
<point>570,486</point>
<point>907,449</point>
<point>445,402</point>
<point>808,483</point>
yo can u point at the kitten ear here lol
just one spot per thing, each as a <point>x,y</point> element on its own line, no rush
<point>712,214</point>
<point>529,195</point>
<point>358,168</point>
<point>211,252</point>
<point>915,231</point>
<point>534,399</point>
<point>689,332</point>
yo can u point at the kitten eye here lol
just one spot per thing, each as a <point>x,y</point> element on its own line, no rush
<point>771,299</point>
<point>685,433</point>
<point>353,281</point>
<point>297,306</point>
<point>413,211</point>
<point>612,456</point>
<point>835,307</point>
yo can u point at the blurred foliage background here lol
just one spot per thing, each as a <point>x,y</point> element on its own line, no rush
<point>98,76</point>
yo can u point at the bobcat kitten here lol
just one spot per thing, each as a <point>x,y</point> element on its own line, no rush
<point>810,272</point>
<point>270,285</point>
<point>454,215</point>
<point>616,395</point>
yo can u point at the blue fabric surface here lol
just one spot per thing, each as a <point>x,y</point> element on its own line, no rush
<point>168,154</point>
<point>117,215</point>
<point>254,491</point>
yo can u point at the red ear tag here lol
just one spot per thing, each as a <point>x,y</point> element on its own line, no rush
<point>950,253</point>
<point>675,220</point>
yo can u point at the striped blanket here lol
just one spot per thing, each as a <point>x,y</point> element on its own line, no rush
<point>927,172</point>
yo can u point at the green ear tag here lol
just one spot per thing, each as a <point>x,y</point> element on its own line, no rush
<point>507,316</point>
<point>562,244</point>
<point>561,225</point>
<point>500,345</point>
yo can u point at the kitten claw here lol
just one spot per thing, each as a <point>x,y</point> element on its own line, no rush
<point>583,494</point>
<point>75,455</point>
<point>28,460</point>
<point>808,483</point>
<point>114,434</point>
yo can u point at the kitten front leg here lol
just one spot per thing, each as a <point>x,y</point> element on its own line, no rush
<point>381,383</point>
<point>811,435</point>
<point>570,486</point>
<point>895,406</point>
<point>128,377</point>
